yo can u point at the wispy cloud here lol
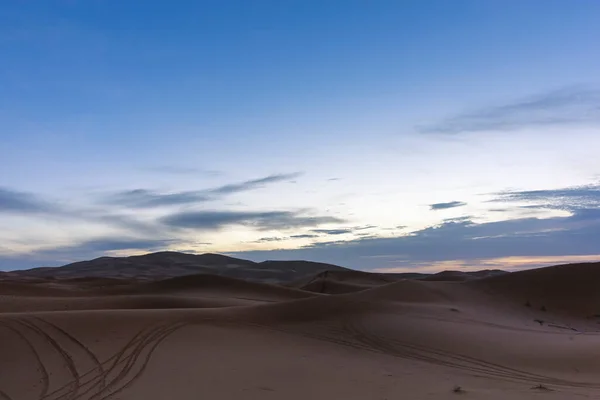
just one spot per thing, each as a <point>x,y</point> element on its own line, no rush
<point>116,243</point>
<point>332,231</point>
<point>445,206</point>
<point>342,231</point>
<point>145,198</point>
<point>270,239</point>
<point>571,105</point>
<point>363,228</point>
<point>12,201</point>
<point>262,220</point>
<point>568,199</point>
<point>304,236</point>
<point>253,184</point>
<point>177,170</point>
<point>32,205</point>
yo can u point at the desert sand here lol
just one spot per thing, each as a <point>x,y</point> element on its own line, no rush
<point>337,334</point>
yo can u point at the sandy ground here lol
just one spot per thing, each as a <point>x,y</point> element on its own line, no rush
<point>225,339</point>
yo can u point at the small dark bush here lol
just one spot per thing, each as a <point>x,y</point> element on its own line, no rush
<point>541,387</point>
<point>458,389</point>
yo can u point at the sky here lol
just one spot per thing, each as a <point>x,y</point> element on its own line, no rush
<point>379,135</point>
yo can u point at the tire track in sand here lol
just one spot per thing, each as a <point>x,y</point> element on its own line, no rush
<point>413,351</point>
<point>128,361</point>
<point>40,364</point>
<point>67,359</point>
<point>98,365</point>
<point>153,345</point>
<point>94,379</point>
<point>128,355</point>
<point>74,385</point>
<point>351,334</point>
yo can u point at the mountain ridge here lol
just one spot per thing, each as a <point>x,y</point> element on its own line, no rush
<point>169,264</point>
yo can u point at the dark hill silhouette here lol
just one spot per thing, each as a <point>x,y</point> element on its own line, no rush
<point>163,265</point>
<point>306,275</point>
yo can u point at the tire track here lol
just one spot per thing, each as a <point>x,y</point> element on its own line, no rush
<point>436,356</point>
<point>511,372</point>
<point>356,336</point>
<point>135,347</point>
<point>97,378</point>
<point>73,386</point>
<point>67,359</point>
<point>4,396</point>
<point>493,325</point>
<point>98,366</point>
<point>146,361</point>
<point>130,361</point>
<point>40,364</point>
<point>337,339</point>
<point>408,352</point>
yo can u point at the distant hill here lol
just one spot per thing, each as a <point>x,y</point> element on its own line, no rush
<point>306,275</point>
<point>168,264</point>
<point>464,276</point>
<point>346,281</point>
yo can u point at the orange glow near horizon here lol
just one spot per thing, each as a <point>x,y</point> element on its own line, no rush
<point>512,263</point>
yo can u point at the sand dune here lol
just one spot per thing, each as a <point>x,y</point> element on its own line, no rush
<point>337,282</point>
<point>193,291</point>
<point>219,284</point>
<point>450,276</point>
<point>208,336</point>
<point>571,289</point>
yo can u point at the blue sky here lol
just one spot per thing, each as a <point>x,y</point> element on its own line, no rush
<point>385,135</point>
